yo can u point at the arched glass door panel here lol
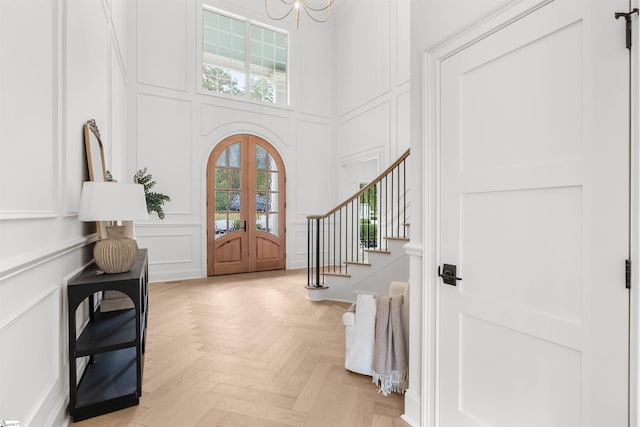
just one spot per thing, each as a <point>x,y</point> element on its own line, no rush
<point>267,192</point>
<point>228,191</point>
<point>245,207</point>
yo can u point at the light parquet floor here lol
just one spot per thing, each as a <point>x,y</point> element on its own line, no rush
<point>249,350</point>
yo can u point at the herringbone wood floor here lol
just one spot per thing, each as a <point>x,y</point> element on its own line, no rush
<point>249,350</point>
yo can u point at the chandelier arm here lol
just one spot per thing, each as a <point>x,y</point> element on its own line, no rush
<point>266,9</point>
<point>318,20</point>
<point>322,9</point>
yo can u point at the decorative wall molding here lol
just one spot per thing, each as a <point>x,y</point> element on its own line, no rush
<point>27,215</point>
<point>413,249</point>
<point>43,307</point>
<point>213,111</point>
<point>373,103</point>
<point>218,133</point>
<point>21,263</point>
<point>163,122</point>
<point>164,224</point>
<point>314,118</point>
<point>162,41</point>
<point>167,276</point>
<point>49,389</point>
<point>411,408</point>
<point>187,260</point>
<point>355,90</point>
<point>30,306</point>
<point>119,58</point>
<point>375,153</point>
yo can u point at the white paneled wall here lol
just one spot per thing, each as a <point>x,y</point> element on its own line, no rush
<point>27,108</point>
<point>60,65</point>
<point>371,96</point>
<point>363,46</point>
<point>161,48</point>
<point>176,126</point>
<point>164,132</point>
<point>349,86</point>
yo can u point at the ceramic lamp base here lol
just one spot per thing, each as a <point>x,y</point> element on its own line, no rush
<point>116,253</point>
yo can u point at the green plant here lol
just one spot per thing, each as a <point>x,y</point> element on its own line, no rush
<point>368,233</point>
<point>370,197</point>
<point>154,200</point>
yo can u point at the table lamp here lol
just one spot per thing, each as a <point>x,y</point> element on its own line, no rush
<point>113,202</point>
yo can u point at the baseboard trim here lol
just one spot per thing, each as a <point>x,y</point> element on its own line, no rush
<point>412,406</point>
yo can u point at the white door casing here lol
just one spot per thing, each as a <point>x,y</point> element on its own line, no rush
<point>634,354</point>
<point>530,119</point>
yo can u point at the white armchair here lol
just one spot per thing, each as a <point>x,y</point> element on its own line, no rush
<point>360,322</point>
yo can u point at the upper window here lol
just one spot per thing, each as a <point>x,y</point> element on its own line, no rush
<point>242,58</point>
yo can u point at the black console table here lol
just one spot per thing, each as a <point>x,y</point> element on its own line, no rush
<point>113,341</point>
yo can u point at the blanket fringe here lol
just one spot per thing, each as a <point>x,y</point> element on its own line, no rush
<point>396,382</point>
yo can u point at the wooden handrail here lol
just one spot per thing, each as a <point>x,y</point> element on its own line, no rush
<point>364,189</point>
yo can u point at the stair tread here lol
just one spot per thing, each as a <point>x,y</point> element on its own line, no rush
<point>403,239</point>
<point>377,251</point>
<point>336,274</point>
<point>365,264</point>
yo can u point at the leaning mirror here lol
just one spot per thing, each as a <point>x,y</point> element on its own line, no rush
<point>95,153</point>
<point>95,161</point>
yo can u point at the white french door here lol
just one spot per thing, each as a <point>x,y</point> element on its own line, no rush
<point>533,146</point>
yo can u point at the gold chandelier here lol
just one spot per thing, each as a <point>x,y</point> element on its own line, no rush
<point>317,13</point>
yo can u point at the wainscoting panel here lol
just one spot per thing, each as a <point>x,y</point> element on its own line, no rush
<point>26,109</point>
<point>119,116</point>
<point>87,93</point>
<point>403,137</point>
<point>360,168</point>
<point>164,135</point>
<point>174,250</point>
<point>273,120</point>
<point>162,43</point>
<point>403,41</point>
<point>312,188</point>
<point>361,46</point>
<point>297,258</point>
<point>33,323</point>
<point>23,367</point>
<point>118,10</point>
<point>311,81</point>
<point>371,128</point>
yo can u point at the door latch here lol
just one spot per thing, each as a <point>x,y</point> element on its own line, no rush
<point>448,274</point>
<point>627,17</point>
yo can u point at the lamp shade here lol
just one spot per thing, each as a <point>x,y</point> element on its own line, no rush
<point>112,201</point>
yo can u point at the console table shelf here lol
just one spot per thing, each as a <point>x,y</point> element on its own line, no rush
<point>115,330</point>
<point>113,341</point>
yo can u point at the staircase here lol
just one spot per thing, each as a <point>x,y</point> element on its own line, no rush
<point>357,247</point>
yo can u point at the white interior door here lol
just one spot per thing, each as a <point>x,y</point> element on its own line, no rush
<point>534,213</point>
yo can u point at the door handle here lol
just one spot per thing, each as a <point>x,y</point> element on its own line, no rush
<point>245,226</point>
<point>448,274</point>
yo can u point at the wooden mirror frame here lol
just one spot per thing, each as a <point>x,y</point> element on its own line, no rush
<point>95,162</point>
<point>95,152</point>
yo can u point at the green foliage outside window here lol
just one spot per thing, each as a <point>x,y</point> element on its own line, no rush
<point>218,80</point>
<point>262,90</point>
<point>370,197</point>
<point>368,233</point>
